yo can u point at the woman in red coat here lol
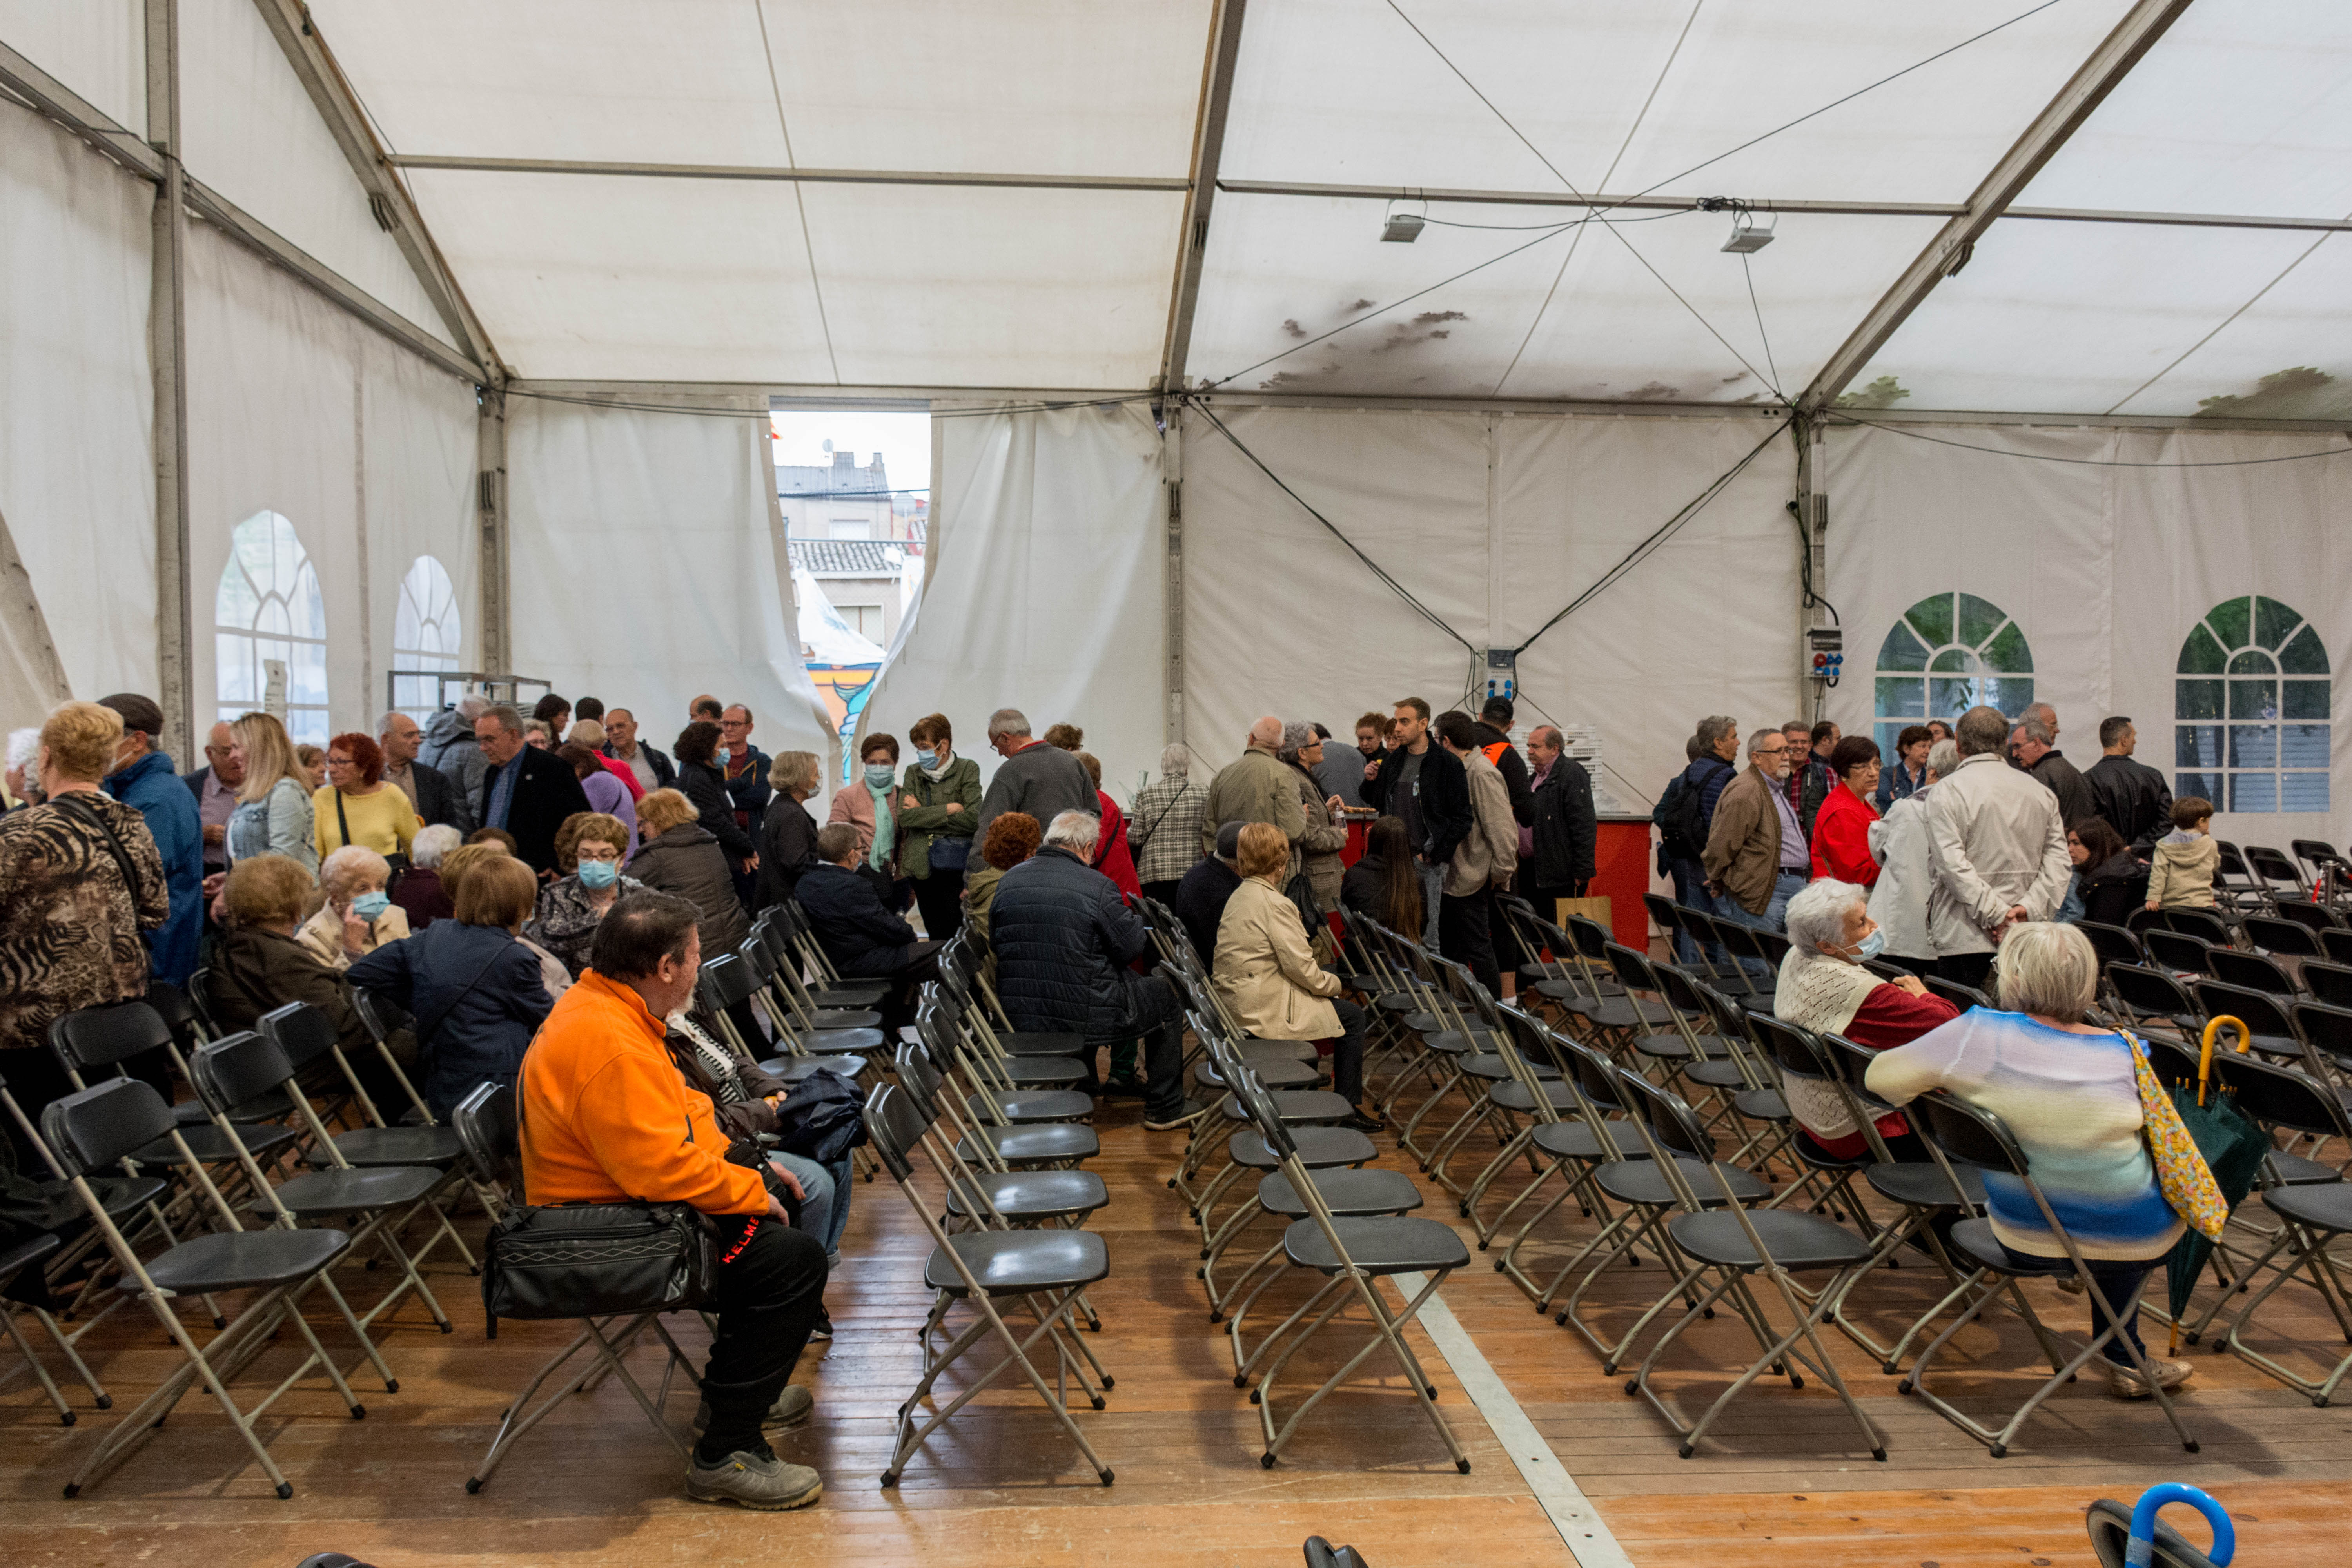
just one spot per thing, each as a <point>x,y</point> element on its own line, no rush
<point>1112,857</point>
<point>1842,830</point>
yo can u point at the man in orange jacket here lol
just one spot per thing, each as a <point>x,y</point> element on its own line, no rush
<point>605,1116</point>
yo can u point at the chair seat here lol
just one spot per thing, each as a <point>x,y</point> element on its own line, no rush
<point>1043,1042</point>
<point>1716,1074</point>
<point>1640,1181</point>
<point>1495,1069</point>
<point>1045,1105</point>
<point>209,1144</point>
<point>1043,1072</point>
<point>1015,1262</point>
<point>334,1192</point>
<point>1037,1195</point>
<point>844,1018</point>
<point>1975,1238</point>
<point>120,1195</point>
<point>842,1042</point>
<point>1663,1047</point>
<point>1923,1184</point>
<point>1574,1140</point>
<point>400,1146</point>
<point>1609,1012</point>
<point>1382,1244</point>
<point>1517,1095</point>
<point>1353,1193</point>
<point>1039,1145</point>
<point>241,1259</point>
<point>1294,1106</point>
<point>31,1250</point>
<point>1286,1072</point>
<point>849,993</point>
<point>1319,1149</point>
<point>792,1070</point>
<point>1457,1043</point>
<point>266,1107</point>
<point>1760,1105</point>
<point>2325,1208</point>
<point>2296,1171</point>
<point>1796,1241</point>
<point>1398,1002</point>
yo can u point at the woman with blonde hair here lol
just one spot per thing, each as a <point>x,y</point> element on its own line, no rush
<point>273,813</point>
<point>1266,971</point>
<point>359,916</point>
<point>787,832</point>
<point>680,855</point>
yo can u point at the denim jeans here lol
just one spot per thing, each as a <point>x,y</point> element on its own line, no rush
<point>2118,1280</point>
<point>1432,893</point>
<point>824,1203</point>
<point>1690,892</point>
<point>1787,885</point>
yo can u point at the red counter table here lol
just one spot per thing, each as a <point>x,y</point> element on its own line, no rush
<point>1621,854</point>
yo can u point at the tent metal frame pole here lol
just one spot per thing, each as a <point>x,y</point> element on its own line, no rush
<point>338,109</point>
<point>779,172</point>
<point>1208,150</point>
<point>490,505</point>
<point>167,354</point>
<point>1946,253</point>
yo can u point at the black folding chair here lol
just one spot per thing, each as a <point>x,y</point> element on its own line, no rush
<point>2281,880</point>
<point>2312,1216</point>
<point>2153,996</point>
<point>2293,932</point>
<point>2252,972</point>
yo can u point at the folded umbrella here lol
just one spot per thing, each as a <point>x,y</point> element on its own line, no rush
<point>2234,1149</point>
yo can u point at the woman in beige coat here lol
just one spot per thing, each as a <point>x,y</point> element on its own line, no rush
<point>1267,972</point>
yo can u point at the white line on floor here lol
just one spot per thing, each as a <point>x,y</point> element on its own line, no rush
<point>1571,1511</point>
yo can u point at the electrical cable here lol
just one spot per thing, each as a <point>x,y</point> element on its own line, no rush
<point>1766,337</point>
<point>2086,462</point>
<point>1402,592</point>
<point>1565,222</point>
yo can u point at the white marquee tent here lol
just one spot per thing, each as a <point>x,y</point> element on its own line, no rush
<point>456,348</point>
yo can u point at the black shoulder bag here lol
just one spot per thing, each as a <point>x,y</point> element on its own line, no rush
<point>595,1259</point>
<point>96,819</point>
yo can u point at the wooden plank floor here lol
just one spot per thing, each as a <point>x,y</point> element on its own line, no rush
<point>1783,1479</point>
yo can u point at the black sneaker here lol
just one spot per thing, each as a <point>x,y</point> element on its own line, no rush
<point>823,1328</point>
<point>1122,1088</point>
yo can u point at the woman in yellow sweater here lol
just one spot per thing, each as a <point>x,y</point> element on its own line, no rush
<point>356,806</point>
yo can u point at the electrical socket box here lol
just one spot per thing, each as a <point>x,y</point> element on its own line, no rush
<point>1824,653</point>
<point>1503,672</point>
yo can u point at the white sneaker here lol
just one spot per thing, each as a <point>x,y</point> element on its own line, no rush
<point>748,1481</point>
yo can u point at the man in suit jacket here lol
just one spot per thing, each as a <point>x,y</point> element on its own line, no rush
<point>429,789</point>
<point>527,792</point>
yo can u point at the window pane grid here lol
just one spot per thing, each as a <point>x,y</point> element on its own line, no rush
<point>2260,668</point>
<point>1947,654</point>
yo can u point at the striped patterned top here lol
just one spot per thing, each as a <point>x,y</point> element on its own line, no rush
<point>2070,1103</point>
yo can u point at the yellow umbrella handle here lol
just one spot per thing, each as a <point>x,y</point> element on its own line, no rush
<point>2205,1056</point>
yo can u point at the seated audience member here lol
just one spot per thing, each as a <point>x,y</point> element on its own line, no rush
<point>1112,858</point>
<point>2068,1094</point>
<point>705,787</point>
<point>497,836</point>
<point>419,893</point>
<point>1012,838</point>
<point>746,1101</point>
<point>1202,892</point>
<point>553,975</point>
<point>2187,858</point>
<point>472,989</point>
<point>859,934</point>
<point>2109,880</point>
<point>1824,988</point>
<point>259,964</point>
<point>1321,839</point>
<point>1268,977</point>
<point>787,831</point>
<point>1842,827</point>
<point>589,849</point>
<point>1063,940</point>
<point>682,856</point>
<point>601,1107</point>
<point>1384,884</point>
<point>359,916</point>
<point>605,793</point>
<point>1906,874</point>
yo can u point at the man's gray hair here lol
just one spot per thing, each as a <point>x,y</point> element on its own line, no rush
<point>2043,712</point>
<point>1075,831</point>
<point>2046,969</point>
<point>1942,758</point>
<point>472,706</point>
<point>1297,734</point>
<point>1176,760</point>
<point>504,712</point>
<point>1007,721</point>
<point>24,746</point>
<point>383,725</point>
<point>1756,741</point>
<point>1817,914</point>
<point>2037,728</point>
<point>1712,729</point>
<point>1980,731</point>
<point>431,843</point>
<point>1535,736</point>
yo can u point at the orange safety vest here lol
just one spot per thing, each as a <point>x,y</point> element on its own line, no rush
<point>1495,752</point>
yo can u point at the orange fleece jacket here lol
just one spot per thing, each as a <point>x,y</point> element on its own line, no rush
<point>606,1116</point>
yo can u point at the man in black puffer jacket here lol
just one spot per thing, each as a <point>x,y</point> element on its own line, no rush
<point>1063,938</point>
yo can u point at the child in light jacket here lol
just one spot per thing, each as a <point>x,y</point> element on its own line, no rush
<point>2186,859</point>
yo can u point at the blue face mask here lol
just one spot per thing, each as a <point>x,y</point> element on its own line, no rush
<point>1870,947</point>
<point>928,759</point>
<point>598,875</point>
<point>367,906</point>
<point>720,760</point>
<point>878,775</point>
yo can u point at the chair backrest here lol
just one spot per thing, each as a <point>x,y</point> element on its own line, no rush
<point>379,1013</point>
<point>90,1039</point>
<point>485,1124</point>
<point>1670,1120</point>
<point>2336,945</point>
<point>895,1125</point>
<point>179,1015</point>
<point>1592,938</point>
<point>2150,993</point>
<point>1250,1091</point>
<point>2252,971</point>
<point>1961,996</point>
<point>302,1031</point>
<point>1793,1051</point>
<point>921,1079</point>
<point>2113,943</point>
<point>93,1128</point>
<point>237,1068</point>
<point>2327,1027</point>
<point>1663,912</point>
<point>1596,1075</point>
<point>2282,876</point>
<point>2287,1097</point>
<point>2261,1013</point>
<point>2175,1061</point>
<point>754,955</point>
<point>1631,969</point>
<point>2290,937</point>
<point>2312,918</point>
<point>2203,923</point>
<point>1967,1134</point>
<point>722,982</point>
<point>2178,950</point>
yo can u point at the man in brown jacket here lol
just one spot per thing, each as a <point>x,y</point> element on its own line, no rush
<point>1757,858</point>
<point>1483,862</point>
<point>1255,788</point>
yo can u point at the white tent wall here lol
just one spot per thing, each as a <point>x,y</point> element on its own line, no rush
<point>644,564</point>
<point>77,409</point>
<point>97,47</point>
<point>1045,577</point>
<point>2108,570</point>
<point>1494,521</point>
<point>296,409</point>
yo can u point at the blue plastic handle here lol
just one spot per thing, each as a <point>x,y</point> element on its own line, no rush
<point>2141,1551</point>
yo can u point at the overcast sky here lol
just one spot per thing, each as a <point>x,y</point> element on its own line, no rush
<point>903,439</point>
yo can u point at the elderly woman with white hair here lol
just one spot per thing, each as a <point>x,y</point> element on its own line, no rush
<point>359,916</point>
<point>1898,900</point>
<point>2068,1094</point>
<point>1163,825</point>
<point>418,892</point>
<point>1318,847</point>
<point>1824,988</point>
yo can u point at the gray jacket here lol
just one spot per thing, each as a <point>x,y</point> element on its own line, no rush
<point>450,748</point>
<point>1043,781</point>
<point>1995,842</point>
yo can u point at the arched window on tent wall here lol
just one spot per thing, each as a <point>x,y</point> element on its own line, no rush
<point>427,634</point>
<point>2251,710</point>
<point>1946,654</point>
<point>269,613</point>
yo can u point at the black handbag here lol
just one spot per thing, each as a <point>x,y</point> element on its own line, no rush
<point>595,1259</point>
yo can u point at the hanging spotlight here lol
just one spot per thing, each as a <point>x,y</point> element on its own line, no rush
<point>1401,227</point>
<point>1749,234</point>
